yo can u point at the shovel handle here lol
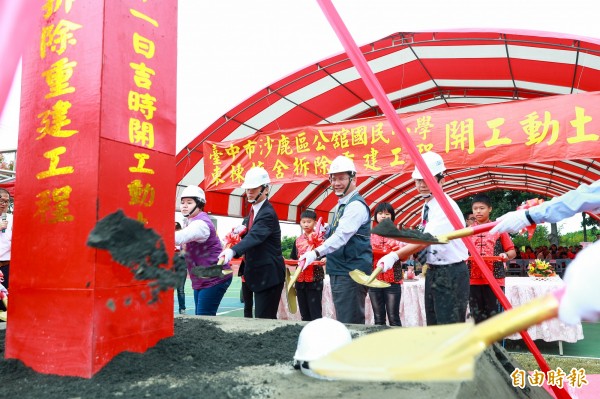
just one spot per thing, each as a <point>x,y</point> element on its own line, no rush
<point>519,318</point>
<point>374,274</point>
<point>467,231</point>
<point>295,275</point>
<point>488,258</point>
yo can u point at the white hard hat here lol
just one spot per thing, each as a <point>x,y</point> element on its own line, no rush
<point>319,338</point>
<point>193,192</point>
<point>434,163</point>
<point>256,177</point>
<point>342,164</point>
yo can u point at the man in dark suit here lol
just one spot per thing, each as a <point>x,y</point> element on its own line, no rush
<point>264,269</point>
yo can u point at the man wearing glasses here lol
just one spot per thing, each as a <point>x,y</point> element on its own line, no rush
<point>5,234</point>
<point>348,244</point>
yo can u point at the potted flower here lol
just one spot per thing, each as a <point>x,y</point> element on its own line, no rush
<point>540,269</point>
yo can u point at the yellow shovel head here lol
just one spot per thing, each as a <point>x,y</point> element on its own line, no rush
<point>370,281</point>
<point>291,293</point>
<point>409,355</point>
<point>438,353</point>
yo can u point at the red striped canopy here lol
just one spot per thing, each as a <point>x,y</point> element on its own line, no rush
<point>418,71</point>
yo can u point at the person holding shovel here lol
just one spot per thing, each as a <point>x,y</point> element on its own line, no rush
<point>348,244</point>
<point>264,269</point>
<point>202,247</point>
<point>309,286</point>
<point>447,282</point>
<point>386,300</point>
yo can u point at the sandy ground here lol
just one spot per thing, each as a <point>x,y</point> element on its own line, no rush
<point>239,358</point>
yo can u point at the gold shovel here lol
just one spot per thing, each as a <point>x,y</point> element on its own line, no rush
<point>438,353</point>
<point>225,271</point>
<point>371,280</point>
<point>291,293</point>
<point>295,276</point>
<point>467,231</point>
<point>289,285</point>
<point>387,229</point>
<point>211,271</point>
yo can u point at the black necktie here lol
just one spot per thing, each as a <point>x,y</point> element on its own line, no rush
<point>422,255</point>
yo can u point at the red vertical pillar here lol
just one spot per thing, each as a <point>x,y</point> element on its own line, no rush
<point>97,134</point>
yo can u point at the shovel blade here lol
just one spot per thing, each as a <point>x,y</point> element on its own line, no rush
<point>364,360</point>
<point>438,353</point>
<point>291,293</point>
<point>210,271</point>
<point>361,278</point>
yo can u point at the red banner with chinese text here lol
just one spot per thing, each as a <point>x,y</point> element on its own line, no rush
<point>551,128</point>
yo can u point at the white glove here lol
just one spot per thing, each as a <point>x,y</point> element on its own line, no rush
<point>582,297</point>
<point>309,257</point>
<point>227,255</point>
<point>512,222</point>
<point>239,229</point>
<point>387,261</point>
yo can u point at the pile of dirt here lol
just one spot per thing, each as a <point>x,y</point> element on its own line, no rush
<point>237,358</point>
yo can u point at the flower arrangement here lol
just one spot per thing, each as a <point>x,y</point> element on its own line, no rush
<point>540,268</point>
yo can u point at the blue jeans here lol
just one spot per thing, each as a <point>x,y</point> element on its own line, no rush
<point>207,300</point>
<point>181,295</point>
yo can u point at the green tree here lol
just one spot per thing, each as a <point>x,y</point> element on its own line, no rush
<point>573,238</point>
<point>286,246</point>
<point>540,237</point>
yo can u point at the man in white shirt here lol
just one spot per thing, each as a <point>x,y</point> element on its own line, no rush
<point>447,282</point>
<point>348,244</point>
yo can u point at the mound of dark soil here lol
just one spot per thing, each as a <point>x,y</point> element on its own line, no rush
<point>189,364</point>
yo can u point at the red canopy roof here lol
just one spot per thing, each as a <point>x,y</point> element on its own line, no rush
<point>419,71</point>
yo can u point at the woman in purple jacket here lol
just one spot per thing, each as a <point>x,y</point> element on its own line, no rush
<point>202,248</point>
